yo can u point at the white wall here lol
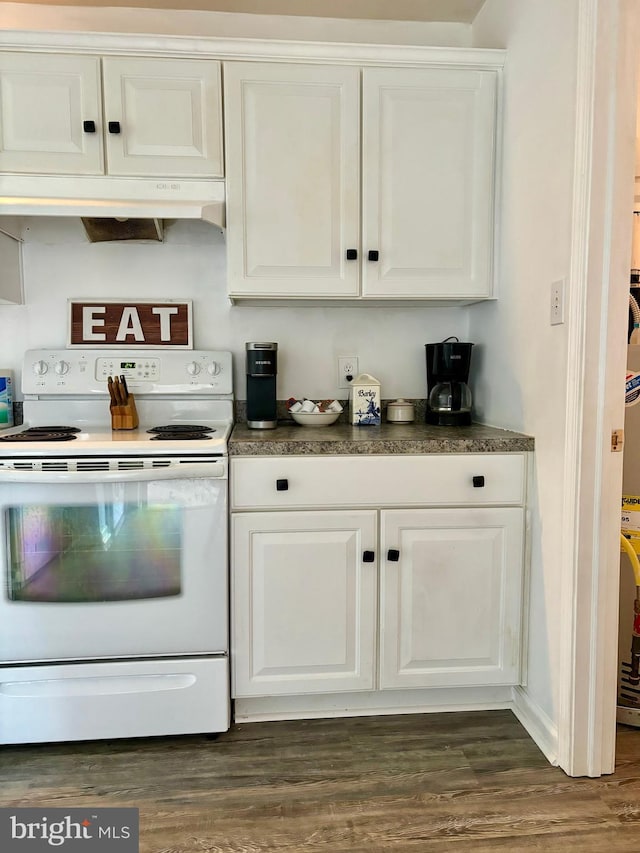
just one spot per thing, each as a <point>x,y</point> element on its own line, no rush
<point>523,384</point>
<point>60,263</point>
<point>57,18</point>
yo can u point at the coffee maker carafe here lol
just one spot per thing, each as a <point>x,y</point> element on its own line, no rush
<point>262,367</point>
<point>448,395</point>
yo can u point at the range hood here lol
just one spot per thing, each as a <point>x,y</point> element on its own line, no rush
<point>105,197</point>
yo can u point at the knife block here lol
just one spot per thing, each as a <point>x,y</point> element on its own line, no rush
<point>126,416</point>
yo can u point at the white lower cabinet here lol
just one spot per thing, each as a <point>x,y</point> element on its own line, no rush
<point>376,598</point>
<point>450,597</point>
<point>304,602</point>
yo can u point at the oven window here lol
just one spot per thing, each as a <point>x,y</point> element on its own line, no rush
<point>113,551</point>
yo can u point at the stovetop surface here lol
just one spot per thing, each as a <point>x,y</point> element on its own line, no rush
<point>100,439</point>
<point>95,436</point>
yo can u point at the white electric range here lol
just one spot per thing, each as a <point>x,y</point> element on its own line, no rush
<point>114,617</point>
<point>67,389</point>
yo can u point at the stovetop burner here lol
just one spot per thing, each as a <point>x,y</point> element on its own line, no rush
<point>43,433</point>
<point>181,430</point>
<point>40,429</point>
<point>40,435</point>
<point>182,436</point>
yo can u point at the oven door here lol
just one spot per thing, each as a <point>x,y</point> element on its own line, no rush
<point>114,564</point>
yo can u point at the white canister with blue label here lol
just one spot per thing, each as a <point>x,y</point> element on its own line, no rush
<point>365,400</point>
<point>6,398</point>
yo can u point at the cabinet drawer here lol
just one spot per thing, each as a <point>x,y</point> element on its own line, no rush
<point>329,481</point>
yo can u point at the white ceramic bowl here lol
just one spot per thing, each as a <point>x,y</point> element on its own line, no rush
<point>316,419</point>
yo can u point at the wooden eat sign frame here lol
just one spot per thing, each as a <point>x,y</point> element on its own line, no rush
<point>138,323</point>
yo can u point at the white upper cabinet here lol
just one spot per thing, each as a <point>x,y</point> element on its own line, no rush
<point>45,101</point>
<point>293,178</point>
<point>119,116</point>
<point>427,186</point>
<point>169,117</point>
<point>420,225</point>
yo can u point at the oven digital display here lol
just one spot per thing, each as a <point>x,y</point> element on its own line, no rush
<point>137,369</point>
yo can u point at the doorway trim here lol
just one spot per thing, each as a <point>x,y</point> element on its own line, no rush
<point>597,317</point>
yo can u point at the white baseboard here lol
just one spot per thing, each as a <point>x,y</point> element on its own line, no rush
<point>540,727</point>
<point>383,702</point>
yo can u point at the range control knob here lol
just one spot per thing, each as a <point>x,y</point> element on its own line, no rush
<point>40,368</point>
<point>61,367</point>
<point>214,368</point>
<point>193,368</point>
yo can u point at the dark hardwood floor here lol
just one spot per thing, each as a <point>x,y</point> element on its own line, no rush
<point>436,782</point>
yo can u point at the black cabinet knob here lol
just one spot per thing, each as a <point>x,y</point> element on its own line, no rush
<point>352,254</point>
<point>89,126</point>
<point>114,127</point>
<point>478,482</point>
<point>368,556</point>
<point>373,255</point>
<point>393,555</point>
<point>282,485</point>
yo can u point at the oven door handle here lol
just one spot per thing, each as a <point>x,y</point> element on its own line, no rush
<point>187,471</point>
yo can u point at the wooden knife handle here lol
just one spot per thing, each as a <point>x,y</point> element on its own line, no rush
<point>118,392</point>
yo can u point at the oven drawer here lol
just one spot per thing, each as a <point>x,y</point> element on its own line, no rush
<point>439,480</point>
<point>114,700</point>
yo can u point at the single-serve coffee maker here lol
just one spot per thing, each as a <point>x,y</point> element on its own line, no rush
<point>262,367</point>
<point>448,395</point>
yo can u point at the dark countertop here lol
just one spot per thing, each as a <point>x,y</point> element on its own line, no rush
<point>290,439</point>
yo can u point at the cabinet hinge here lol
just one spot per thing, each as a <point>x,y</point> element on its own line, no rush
<point>617,440</point>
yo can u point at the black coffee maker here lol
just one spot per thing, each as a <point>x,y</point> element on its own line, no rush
<point>262,367</point>
<point>448,395</point>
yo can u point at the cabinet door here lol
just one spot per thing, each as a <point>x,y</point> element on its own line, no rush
<point>44,102</point>
<point>292,157</point>
<point>169,117</point>
<point>303,602</point>
<point>428,182</point>
<point>450,603</point>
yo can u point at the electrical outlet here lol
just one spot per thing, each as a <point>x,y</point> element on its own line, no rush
<point>347,371</point>
<point>557,302</point>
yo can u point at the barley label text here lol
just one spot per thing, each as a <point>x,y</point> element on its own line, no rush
<point>29,830</point>
<point>148,324</point>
